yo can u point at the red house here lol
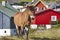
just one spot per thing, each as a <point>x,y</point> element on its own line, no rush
<point>48,16</point>
<point>40,6</point>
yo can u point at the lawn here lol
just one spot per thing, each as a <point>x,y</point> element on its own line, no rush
<point>52,34</point>
<point>1,0</point>
<point>22,0</point>
<point>26,0</point>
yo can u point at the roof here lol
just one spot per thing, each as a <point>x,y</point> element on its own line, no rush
<point>46,11</point>
<point>8,10</point>
<point>32,3</point>
<point>36,2</point>
<point>18,1</point>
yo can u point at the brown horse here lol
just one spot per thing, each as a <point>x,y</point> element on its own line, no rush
<point>21,18</point>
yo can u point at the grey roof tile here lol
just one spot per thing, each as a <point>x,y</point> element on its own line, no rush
<point>8,10</point>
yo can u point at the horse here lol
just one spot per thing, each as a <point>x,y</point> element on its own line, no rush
<point>22,18</point>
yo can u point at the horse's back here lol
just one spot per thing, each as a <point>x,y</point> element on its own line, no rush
<point>16,18</point>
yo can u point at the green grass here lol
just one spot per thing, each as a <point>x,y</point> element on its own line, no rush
<point>56,26</point>
<point>1,0</point>
<point>26,0</point>
<point>52,34</point>
<point>48,34</point>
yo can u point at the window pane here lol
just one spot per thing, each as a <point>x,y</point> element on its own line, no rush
<point>53,18</point>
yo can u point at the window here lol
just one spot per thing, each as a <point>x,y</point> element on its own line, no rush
<point>53,18</point>
<point>37,9</point>
<point>57,6</point>
<point>43,8</point>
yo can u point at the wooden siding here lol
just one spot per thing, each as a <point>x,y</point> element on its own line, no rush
<point>45,17</point>
<point>0,20</point>
<point>4,21</point>
<point>40,5</point>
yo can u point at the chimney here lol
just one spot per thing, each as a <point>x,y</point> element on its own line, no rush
<point>3,3</point>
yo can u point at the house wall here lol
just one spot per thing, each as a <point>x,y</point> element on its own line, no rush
<point>45,17</point>
<point>0,20</point>
<point>9,32</point>
<point>5,25</point>
<point>40,5</point>
<point>6,22</point>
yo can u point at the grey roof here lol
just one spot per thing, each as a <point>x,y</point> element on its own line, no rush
<point>13,1</point>
<point>8,10</point>
<point>33,3</point>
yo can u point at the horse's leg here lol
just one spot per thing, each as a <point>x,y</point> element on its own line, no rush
<point>17,30</point>
<point>27,32</point>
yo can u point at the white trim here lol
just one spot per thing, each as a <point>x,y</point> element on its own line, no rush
<point>53,18</point>
<point>33,26</point>
<point>48,26</point>
<point>37,9</point>
<point>9,32</point>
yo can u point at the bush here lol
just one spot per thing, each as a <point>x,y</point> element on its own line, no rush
<point>56,26</point>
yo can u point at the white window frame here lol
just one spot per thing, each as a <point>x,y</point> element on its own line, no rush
<point>43,8</point>
<point>53,18</point>
<point>37,9</point>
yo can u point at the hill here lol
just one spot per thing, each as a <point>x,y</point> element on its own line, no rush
<point>26,0</point>
<point>1,0</point>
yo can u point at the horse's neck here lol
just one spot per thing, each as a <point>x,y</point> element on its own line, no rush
<point>26,12</point>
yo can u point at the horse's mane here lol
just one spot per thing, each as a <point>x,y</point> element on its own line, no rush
<point>31,8</point>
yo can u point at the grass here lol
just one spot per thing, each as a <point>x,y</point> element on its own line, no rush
<point>21,0</point>
<point>47,34</point>
<point>26,0</point>
<point>1,0</point>
<point>56,26</point>
<point>52,34</point>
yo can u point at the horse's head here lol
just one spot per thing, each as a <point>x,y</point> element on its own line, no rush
<point>30,10</point>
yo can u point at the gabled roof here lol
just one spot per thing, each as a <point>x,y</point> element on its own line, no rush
<point>36,2</point>
<point>8,10</point>
<point>46,11</point>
